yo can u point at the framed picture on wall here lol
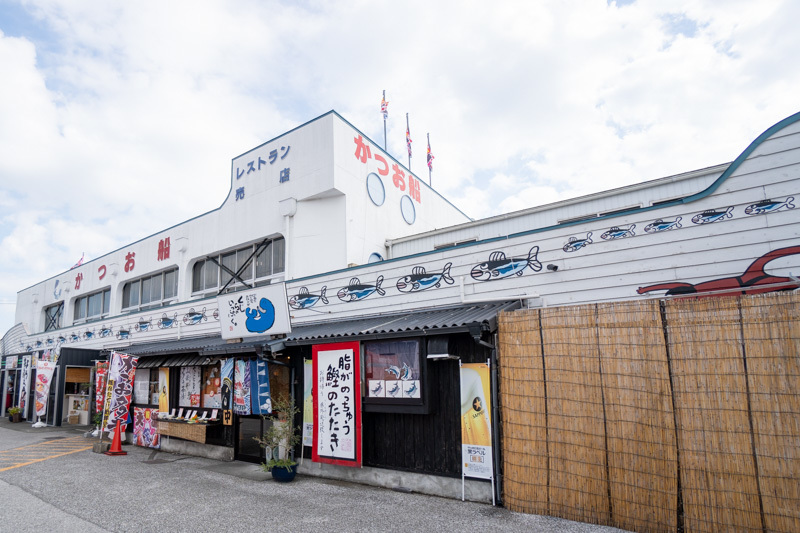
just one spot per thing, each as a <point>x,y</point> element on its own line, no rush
<point>394,376</point>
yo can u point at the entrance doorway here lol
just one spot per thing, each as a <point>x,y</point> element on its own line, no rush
<point>247,449</point>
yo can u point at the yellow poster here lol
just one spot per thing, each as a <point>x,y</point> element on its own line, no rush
<point>163,390</point>
<point>476,420</point>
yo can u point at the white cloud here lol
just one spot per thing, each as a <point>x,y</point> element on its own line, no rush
<point>120,119</point>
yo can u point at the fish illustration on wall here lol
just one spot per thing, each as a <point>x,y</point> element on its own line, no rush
<point>663,225</point>
<point>356,290</point>
<point>123,334</point>
<point>143,325</point>
<point>166,322</point>
<point>304,299</point>
<point>712,215</point>
<point>88,334</point>
<point>499,266</point>
<point>74,337</point>
<point>105,331</point>
<point>618,233</point>
<point>419,279</point>
<point>769,206</point>
<point>751,278</point>
<point>194,317</point>
<point>574,244</point>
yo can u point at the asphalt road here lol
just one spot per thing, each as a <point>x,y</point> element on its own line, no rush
<point>148,490</point>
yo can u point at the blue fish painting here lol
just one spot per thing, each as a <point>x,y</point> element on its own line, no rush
<point>304,299</point>
<point>405,373</point>
<point>419,280</point>
<point>394,390</point>
<point>143,325</point>
<point>499,266</point>
<point>261,318</point>
<point>88,334</point>
<point>194,317</point>
<point>663,225</point>
<point>712,215</point>
<point>618,233</point>
<point>74,337</point>
<point>166,322</point>
<point>394,370</point>
<point>378,388</point>
<point>574,244</point>
<point>412,390</point>
<point>105,332</point>
<point>123,334</point>
<point>769,206</point>
<point>356,290</point>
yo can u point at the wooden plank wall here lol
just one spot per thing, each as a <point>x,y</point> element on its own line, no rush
<point>679,415</point>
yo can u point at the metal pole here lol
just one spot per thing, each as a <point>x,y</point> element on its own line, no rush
<point>430,183</point>
<point>384,123</point>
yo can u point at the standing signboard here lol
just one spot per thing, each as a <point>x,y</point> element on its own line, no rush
<point>25,379</point>
<point>337,404</point>
<point>476,423</point>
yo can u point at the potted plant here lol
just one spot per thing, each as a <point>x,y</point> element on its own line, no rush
<point>280,439</point>
<point>14,414</point>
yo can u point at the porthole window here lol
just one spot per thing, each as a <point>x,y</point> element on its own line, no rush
<point>375,258</point>
<point>375,189</point>
<point>408,210</point>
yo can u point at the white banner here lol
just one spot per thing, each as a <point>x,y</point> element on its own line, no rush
<point>260,311</point>
<point>24,382</point>
<point>44,375</point>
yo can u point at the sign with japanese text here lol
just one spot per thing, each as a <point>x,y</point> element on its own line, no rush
<point>100,374</point>
<point>25,379</point>
<point>260,311</point>
<point>121,373</point>
<point>337,404</point>
<point>476,422</point>
<point>308,403</point>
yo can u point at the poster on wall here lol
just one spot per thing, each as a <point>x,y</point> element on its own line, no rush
<point>100,375</point>
<point>308,403</point>
<point>260,311</point>
<point>44,375</point>
<point>211,387</point>
<point>141,387</point>
<point>25,379</point>
<point>337,404</point>
<point>241,387</point>
<point>392,372</point>
<point>476,423</point>
<point>189,387</point>
<point>226,367</point>
<point>121,373</point>
<point>163,390</point>
<point>145,428</point>
<point>259,388</point>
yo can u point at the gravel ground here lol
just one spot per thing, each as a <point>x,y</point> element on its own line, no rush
<point>148,490</point>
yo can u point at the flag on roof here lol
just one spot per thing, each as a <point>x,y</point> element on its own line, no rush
<point>430,155</point>
<point>384,107</point>
<point>79,263</point>
<point>408,141</point>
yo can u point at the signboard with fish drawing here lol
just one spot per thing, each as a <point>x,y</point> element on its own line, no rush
<point>337,404</point>
<point>260,311</point>
<point>392,373</point>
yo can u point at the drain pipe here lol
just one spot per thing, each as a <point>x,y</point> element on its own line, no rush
<point>287,208</point>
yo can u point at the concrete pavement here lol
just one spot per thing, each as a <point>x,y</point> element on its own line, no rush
<point>148,490</point>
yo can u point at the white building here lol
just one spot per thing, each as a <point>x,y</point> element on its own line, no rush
<point>362,247</point>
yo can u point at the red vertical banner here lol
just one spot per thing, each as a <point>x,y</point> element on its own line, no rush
<point>337,403</point>
<point>100,374</point>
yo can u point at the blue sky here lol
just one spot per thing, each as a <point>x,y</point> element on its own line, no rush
<point>119,119</point>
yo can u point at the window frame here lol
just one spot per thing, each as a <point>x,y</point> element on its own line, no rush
<point>147,281</point>
<point>83,302</point>
<point>231,259</point>
<point>58,321</point>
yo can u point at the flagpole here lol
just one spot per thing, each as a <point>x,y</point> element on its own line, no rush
<point>408,144</point>
<point>384,123</point>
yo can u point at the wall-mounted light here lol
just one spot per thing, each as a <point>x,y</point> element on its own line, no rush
<point>552,268</point>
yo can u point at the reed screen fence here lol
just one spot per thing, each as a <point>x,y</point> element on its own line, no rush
<point>671,415</point>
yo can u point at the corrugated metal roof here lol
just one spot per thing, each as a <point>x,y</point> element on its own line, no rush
<point>430,321</point>
<point>195,351</point>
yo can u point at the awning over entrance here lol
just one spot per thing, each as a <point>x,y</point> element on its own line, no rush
<point>206,350</point>
<point>437,321</point>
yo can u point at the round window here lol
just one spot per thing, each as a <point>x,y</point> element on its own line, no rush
<point>375,189</point>
<point>407,209</point>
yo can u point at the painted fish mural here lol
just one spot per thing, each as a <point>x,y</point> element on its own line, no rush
<point>712,215</point>
<point>394,390</point>
<point>768,206</point>
<point>419,279</point>
<point>166,322</point>
<point>618,233</point>
<point>663,225</point>
<point>194,317</point>
<point>499,267</point>
<point>750,279</point>
<point>356,290</point>
<point>378,388</point>
<point>105,331</point>
<point>412,390</point>
<point>123,334</point>
<point>304,299</point>
<point>574,244</point>
<point>143,325</point>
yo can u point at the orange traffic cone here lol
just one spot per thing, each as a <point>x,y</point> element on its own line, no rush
<point>116,444</point>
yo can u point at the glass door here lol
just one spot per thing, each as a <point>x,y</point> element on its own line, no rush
<point>247,449</point>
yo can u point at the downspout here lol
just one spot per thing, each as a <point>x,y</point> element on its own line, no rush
<point>287,208</point>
